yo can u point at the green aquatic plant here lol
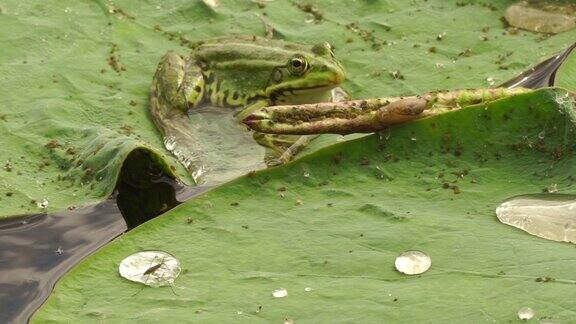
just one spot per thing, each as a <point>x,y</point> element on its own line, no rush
<point>76,75</point>
<point>328,227</point>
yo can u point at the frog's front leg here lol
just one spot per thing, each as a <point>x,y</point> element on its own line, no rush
<point>281,148</point>
<point>178,85</point>
<point>295,148</point>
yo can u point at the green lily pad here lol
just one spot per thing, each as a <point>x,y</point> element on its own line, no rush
<point>566,74</point>
<point>76,75</point>
<point>328,227</point>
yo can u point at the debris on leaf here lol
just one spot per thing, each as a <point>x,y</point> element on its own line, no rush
<point>313,11</point>
<point>43,204</point>
<point>549,17</point>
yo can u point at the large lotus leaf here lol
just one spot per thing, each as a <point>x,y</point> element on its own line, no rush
<point>335,220</point>
<point>76,74</point>
<point>566,75</point>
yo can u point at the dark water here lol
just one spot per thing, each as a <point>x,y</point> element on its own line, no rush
<point>36,250</point>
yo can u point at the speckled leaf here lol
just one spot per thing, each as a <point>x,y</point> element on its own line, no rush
<point>566,75</point>
<point>335,221</point>
<point>76,74</point>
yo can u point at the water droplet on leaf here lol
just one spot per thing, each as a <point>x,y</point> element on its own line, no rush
<point>212,3</point>
<point>152,268</point>
<point>525,313</point>
<point>280,293</point>
<point>550,216</point>
<point>413,262</point>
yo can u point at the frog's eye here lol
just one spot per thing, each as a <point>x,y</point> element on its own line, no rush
<point>298,65</point>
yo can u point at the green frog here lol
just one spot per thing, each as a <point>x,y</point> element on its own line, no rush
<point>244,74</point>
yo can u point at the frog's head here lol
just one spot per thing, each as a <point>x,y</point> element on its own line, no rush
<point>305,75</point>
<point>242,69</point>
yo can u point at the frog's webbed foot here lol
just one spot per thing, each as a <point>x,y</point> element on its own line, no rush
<point>282,149</point>
<point>177,86</point>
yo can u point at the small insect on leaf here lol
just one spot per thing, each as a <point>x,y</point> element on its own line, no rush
<point>151,268</point>
<point>154,268</point>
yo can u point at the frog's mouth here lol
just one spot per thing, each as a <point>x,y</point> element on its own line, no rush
<point>302,95</point>
<point>313,87</point>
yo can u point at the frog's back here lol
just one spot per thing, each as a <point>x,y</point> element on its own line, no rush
<point>229,49</point>
<point>239,68</point>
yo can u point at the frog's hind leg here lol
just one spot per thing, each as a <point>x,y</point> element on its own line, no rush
<point>179,83</point>
<point>177,86</point>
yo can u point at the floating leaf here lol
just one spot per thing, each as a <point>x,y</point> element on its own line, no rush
<point>344,239</point>
<point>75,92</point>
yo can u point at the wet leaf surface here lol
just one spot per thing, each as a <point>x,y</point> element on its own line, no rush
<point>76,76</point>
<point>75,88</point>
<point>344,237</point>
